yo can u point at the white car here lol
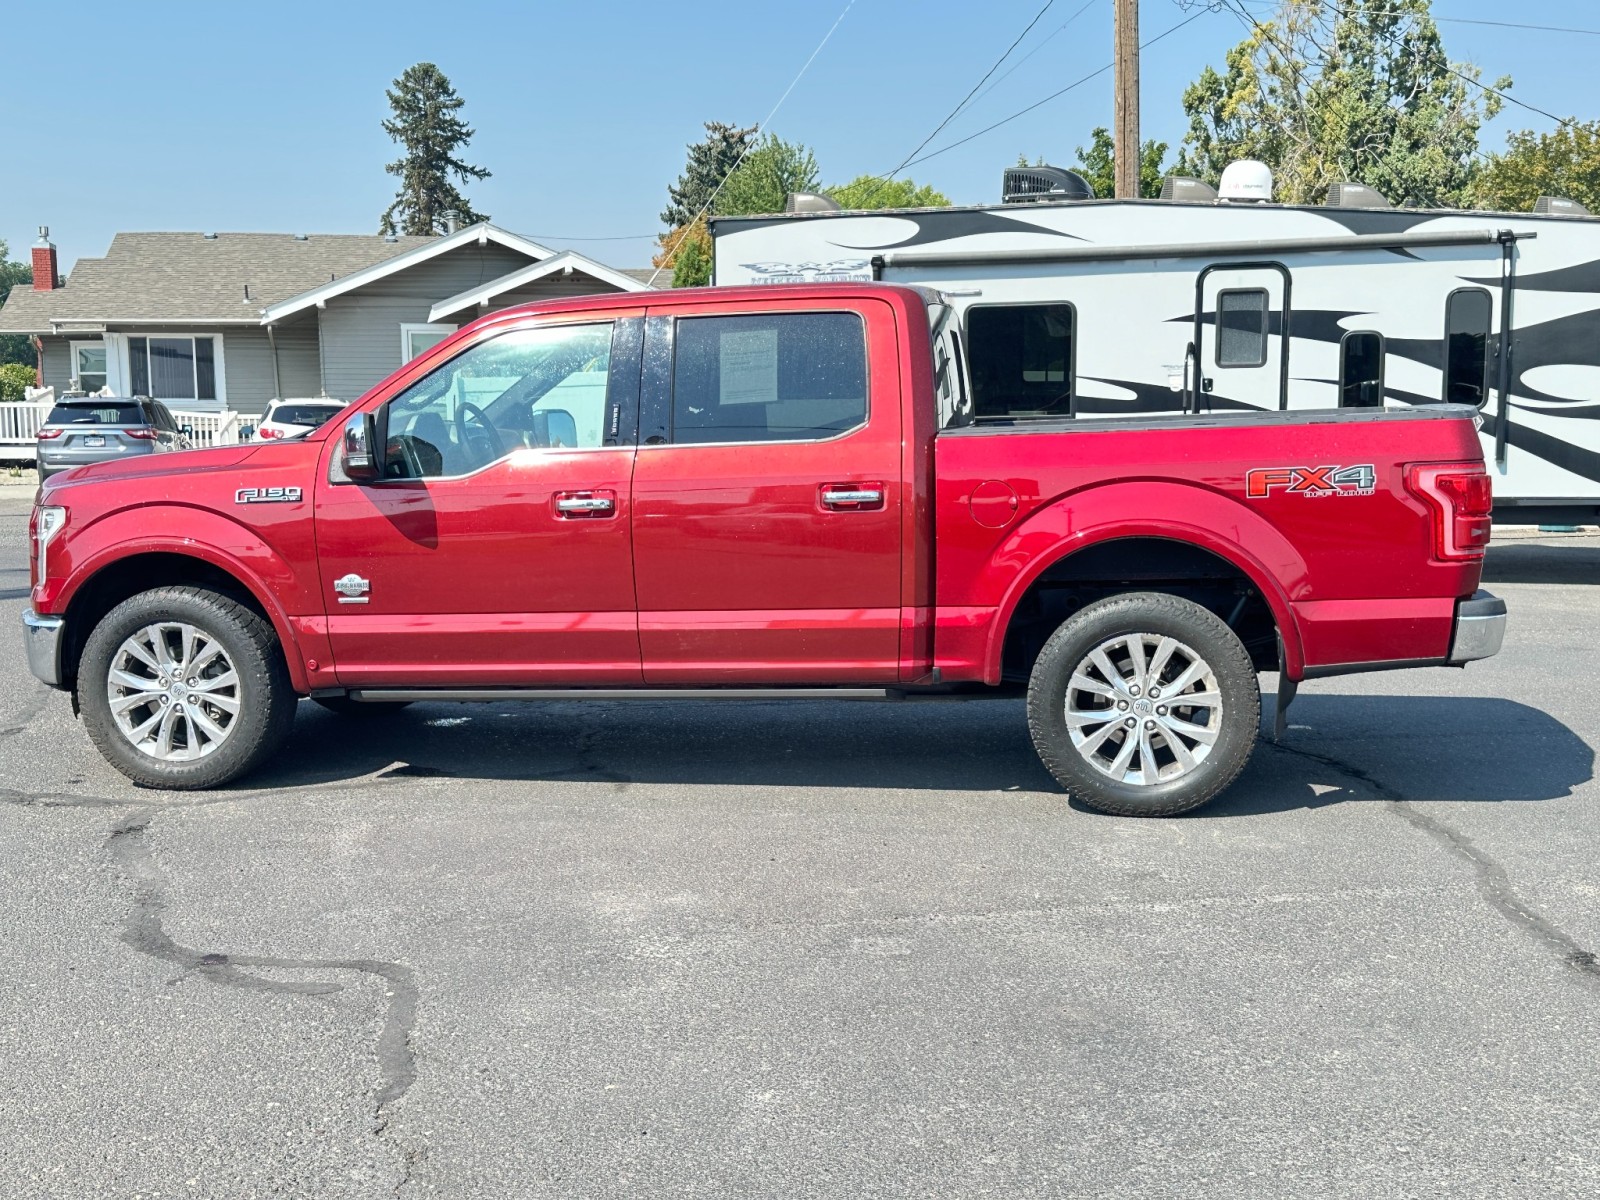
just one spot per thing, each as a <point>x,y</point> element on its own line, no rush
<point>295,418</point>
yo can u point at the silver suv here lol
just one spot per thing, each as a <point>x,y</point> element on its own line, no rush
<point>93,429</point>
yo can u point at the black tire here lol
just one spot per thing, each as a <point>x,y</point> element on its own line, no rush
<point>346,707</point>
<point>1157,616</point>
<point>266,697</point>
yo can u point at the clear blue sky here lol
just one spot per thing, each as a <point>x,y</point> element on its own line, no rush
<point>266,116</point>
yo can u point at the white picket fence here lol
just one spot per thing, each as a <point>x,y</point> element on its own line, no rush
<point>20,422</point>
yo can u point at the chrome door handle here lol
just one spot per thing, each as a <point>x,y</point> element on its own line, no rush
<point>584,504</point>
<point>855,496</point>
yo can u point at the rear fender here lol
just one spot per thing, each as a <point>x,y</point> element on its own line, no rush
<point>230,547</point>
<point>1191,514</point>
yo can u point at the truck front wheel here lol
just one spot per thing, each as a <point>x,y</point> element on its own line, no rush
<point>1144,705</point>
<point>184,688</point>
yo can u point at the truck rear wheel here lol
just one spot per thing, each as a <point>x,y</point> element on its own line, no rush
<point>183,688</point>
<point>1144,705</point>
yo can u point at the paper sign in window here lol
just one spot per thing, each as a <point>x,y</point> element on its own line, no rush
<point>749,367</point>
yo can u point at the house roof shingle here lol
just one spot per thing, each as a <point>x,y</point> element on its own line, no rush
<point>190,277</point>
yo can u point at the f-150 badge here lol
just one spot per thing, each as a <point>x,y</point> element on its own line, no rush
<point>352,588</point>
<point>267,495</point>
<point>1311,481</point>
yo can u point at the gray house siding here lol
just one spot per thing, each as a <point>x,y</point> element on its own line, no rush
<point>57,363</point>
<point>248,361</point>
<point>299,360</point>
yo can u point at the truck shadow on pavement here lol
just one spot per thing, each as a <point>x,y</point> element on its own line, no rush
<point>1339,748</point>
<point>1573,560</point>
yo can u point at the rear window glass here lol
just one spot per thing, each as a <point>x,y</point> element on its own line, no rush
<point>303,414</point>
<point>106,412</point>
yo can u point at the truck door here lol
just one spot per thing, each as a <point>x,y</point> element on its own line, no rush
<point>767,496</point>
<point>1241,315</point>
<point>497,546</point>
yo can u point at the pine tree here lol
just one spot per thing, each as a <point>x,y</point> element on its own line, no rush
<point>426,124</point>
<point>708,164</point>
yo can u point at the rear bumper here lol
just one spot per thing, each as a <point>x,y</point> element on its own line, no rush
<point>42,637</point>
<point>1480,628</point>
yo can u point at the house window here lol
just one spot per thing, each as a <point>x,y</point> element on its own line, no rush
<point>89,365</point>
<point>1020,359</point>
<point>174,368</point>
<point>1466,346</point>
<point>415,339</point>
<point>1242,328</point>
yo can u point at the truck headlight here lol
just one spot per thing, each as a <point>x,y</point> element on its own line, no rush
<point>49,520</point>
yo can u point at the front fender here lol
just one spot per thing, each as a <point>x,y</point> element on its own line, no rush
<point>1175,511</point>
<point>244,553</point>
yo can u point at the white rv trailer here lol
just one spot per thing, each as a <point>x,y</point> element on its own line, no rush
<point>1110,308</point>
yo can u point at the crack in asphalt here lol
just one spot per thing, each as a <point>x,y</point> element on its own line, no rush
<point>1492,881</point>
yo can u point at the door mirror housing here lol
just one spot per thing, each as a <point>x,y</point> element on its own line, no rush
<point>363,447</point>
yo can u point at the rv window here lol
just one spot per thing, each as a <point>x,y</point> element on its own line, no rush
<point>1466,347</point>
<point>777,377</point>
<point>1242,328</point>
<point>1020,359</point>
<point>1361,370</point>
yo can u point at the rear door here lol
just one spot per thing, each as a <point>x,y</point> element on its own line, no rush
<point>1241,317</point>
<point>767,496</point>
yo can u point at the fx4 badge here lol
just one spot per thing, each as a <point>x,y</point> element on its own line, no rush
<point>267,495</point>
<point>1311,481</point>
<point>352,588</point>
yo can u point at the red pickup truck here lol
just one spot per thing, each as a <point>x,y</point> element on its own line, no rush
<point>759,492</point>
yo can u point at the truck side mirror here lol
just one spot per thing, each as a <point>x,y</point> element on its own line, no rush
<point>363,451</point>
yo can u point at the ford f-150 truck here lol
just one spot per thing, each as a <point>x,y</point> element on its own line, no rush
<point>760,492</point>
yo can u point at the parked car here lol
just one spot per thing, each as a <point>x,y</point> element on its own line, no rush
<point>295,418</point>
<point>95,429</point>
<point>781,492</point>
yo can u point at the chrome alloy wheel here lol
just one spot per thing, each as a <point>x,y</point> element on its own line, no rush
<point>1143,709</point>
<point>173,691</point>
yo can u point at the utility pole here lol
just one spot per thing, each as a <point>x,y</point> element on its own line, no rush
<point>1126,36</point>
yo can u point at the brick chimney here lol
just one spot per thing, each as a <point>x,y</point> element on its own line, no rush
<point>45,276</point>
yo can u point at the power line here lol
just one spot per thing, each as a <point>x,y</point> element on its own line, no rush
<point>1496,24</point>
<point>951,115</point>
<point>1047,40</point>
<point>1053,95</point>
<point>750,145</point>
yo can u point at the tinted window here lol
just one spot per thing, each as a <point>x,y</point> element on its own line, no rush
<point>1242,328</point>
<point>1361,370</point>
<point>1466,353</point>
<point>105,412</point>
<point>532,388</point>
<point>1020,356</point>
<point>303,414</point>
<point>779,377</point>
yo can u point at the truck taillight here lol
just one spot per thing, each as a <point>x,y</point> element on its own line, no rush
<point>1461,498</point>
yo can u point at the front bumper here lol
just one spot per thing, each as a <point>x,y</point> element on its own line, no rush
<point>42,636</point>
<point>1480,628</point>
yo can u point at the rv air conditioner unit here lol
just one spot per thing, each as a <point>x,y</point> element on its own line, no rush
<point>1024,185</point>
<point>1183,187</point>
<point>809,202</point>
<point>1559,206</point>
<point>1355,195</point>
<point>1246,181</point>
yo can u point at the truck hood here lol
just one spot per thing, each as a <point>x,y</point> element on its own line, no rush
<point>153,466</point>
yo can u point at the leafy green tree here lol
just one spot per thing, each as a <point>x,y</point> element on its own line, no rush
<point>869,191</point>
<point>693,268</point>
<point>1565,162</point>
<point>766,176</point>
<point>14,347</point>
<point>1332,90</point>
<point>708,163</point>
<point>426,124</point>
<point>1098,164</point>
<point>15,379</point>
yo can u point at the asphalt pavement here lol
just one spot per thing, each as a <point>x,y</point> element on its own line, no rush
<point>816,950</point>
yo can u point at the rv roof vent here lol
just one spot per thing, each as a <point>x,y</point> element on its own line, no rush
<point>1355,195</point>
<point>1182,187</point>
<point>809,202</point>
<point>1023,185</point>
<point>1559,206</point>
<point>1246,181</point>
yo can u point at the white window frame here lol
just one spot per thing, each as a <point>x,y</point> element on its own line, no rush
<point>87,344</point>
<point>407,328</point>
<point>184,402</point>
